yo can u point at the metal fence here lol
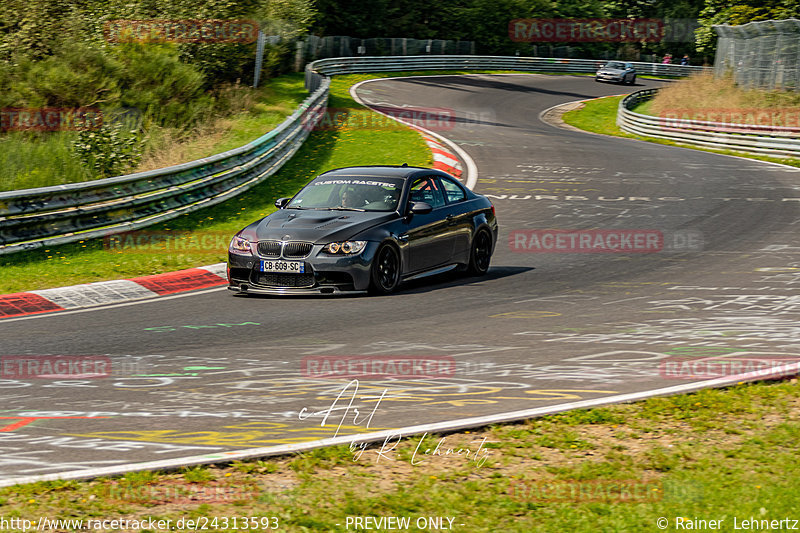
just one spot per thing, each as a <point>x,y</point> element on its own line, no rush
<point>48,216</point>
<point>747,138</point>
<point>762,54</point>
<point>314,47</point>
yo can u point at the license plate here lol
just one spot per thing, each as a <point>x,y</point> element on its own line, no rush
<point>288,267</point>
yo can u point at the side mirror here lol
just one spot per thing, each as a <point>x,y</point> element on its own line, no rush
<point>280,203</point>
<point>420,208</point>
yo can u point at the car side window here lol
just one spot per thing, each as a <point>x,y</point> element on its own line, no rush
<point>427,190</point>
<point>453,191</point>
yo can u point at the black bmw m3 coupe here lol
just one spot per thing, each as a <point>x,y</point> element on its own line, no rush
<point>364,229</point>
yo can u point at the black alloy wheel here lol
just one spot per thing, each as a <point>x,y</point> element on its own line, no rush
<point>481,254</point>
<point>385,270</point>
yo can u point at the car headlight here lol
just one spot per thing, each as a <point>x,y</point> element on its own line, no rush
<point>239,245</point>
<point>346,247</point>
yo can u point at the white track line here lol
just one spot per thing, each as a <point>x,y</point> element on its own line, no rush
<point>438,427</point>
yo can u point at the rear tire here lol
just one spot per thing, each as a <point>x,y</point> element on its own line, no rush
<point>385,270</point>
<point>481,254</point>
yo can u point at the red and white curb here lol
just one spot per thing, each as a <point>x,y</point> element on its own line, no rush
<point>111,292</point>
<point>443,158</point>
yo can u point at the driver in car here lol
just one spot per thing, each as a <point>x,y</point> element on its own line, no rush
<point>351,198</point>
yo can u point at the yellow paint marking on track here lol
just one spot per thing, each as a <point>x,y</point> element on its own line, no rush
<point>526,314</point>
<point>252,438</point>
<point>565,394</point>
<point>462,403</point>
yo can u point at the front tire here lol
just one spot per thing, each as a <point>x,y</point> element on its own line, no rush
<point>385,270</point>
<point>481,254</point>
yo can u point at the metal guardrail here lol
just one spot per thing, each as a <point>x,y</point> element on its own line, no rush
<point>48,216</point>
<point>748,138</point>
<point>32,218</point>
<point>354,65</point>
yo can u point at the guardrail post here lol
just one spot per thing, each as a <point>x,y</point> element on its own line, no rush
<point>298,56</point>
<point>259,58</point>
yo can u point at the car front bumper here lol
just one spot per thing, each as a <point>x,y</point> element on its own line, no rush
<point>325,274</point>
<point>610,77</point>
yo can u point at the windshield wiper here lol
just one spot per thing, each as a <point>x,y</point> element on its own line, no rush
<point>347,208</point>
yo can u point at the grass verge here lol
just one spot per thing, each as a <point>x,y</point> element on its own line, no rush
<point>256,111</point>
<point>40,160</point>
<point>600,116</point>
<point>719,454</point>
<point>27,163</point>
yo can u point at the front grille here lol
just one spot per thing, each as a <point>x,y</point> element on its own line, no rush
<point>269,248</point>
<point>285,280</point>
<point>294,250</point>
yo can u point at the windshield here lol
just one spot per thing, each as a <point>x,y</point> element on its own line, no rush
<point>615,64</point>
<point>355,194</point>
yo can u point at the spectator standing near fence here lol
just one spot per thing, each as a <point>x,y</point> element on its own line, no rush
<point>667,59</point>
<point>685,59</point>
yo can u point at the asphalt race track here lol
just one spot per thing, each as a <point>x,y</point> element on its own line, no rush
<point>207,373</point>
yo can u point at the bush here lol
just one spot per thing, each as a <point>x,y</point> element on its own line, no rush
<point>220,63</point>
<point>156,82</point>
<point>78,76</point>
<point>109,151</point>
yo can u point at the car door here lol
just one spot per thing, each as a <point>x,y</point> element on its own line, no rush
<point>428,237</point>
<point>458,214</point>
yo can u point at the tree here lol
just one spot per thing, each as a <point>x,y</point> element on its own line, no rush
<point>738,12</point>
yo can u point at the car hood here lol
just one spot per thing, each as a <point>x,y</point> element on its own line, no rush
<point>316,226</point>
<point>612,70</point>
